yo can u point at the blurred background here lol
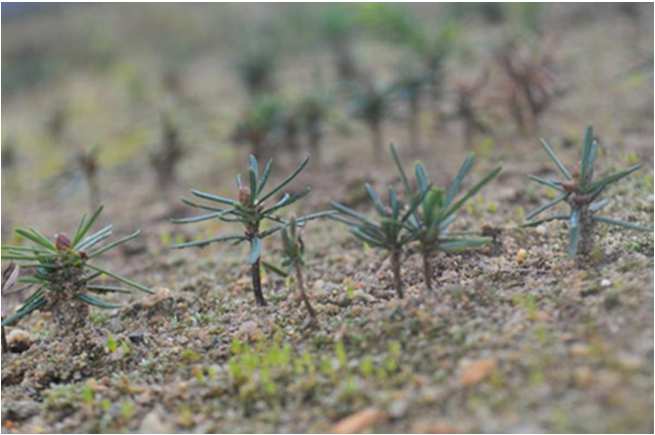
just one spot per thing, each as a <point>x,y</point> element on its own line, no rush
<point>131,104</point>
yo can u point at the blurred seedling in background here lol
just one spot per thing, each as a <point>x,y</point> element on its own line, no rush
<point>293,251</point>
<point>429,223</point>
<point>58,120</point>
<point>65,275</point>
<point>87,160</point>
<point>313,110</point>
<point>531,86</point>
<point>390,233</point>
<point>410,85</point>
<point>256,68</point>
<point>290,126</point>
<point>250,211</point>
<point>582,193</point>
<point>371,105</point>
<point>338,25</point>
<point>467,110</point>
<point>166,157</point>
<point>8,152</point>
<point>259,124</point>
<point>433,50</point>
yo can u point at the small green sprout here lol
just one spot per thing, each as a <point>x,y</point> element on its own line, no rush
<point>390,233</point>
<point>64,276</point>
<point>293,252</point>
<point>581,192</point>
<point>250,209</point>
<point>429,223</point>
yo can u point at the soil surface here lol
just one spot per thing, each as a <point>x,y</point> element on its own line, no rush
<point>514,338</point>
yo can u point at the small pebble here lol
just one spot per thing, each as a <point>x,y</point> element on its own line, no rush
<point>19,340</point>
<point>521,256</point>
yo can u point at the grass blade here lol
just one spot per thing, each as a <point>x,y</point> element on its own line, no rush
<point>286,181</point>
<point>87,227</point>
<point>215,198</point>
<point>547,205</point>
<point>475,189</point>
<point>92,300</point>
<point>556,160</point>
<point>399,165</point>
<point>603,182</point>
<point>265,175</point>
<point>456,184</point>
<point>202,243</point>
<point>122,279</point>
<point>622,224</point>
<point>114,244</point>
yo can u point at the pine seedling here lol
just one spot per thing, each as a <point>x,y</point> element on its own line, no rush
<point>390,233</point>
<point>410,85</point>
<point>259,124</point>
<point>429,223</point>
<point>531,85</point>
<point>582,193</point>
<point>250,209</point>
<point>433,50</point>
<point>467,110</point>
<point>165,159</point>
<point>371,104</point>
<point>312,111</point>
<point>65,275</point>
<point>256,68</point>
<point>293,259</point>
<point>338,26</point>
<point>87,160</point>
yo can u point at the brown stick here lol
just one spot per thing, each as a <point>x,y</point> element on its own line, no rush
<point>427,270</point>
<point>257,283</point>
<point>5,346</point>
<point>395,266</point>
<point>376,138</point>
<point>303,295</point>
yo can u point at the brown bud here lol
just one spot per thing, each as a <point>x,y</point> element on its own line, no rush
<point>244,195</point>
<point>569,186</point>
<point>62,242</point>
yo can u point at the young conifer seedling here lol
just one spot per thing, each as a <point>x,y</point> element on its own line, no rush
<point>582,193</point>
<point>410,85</point>
<point>256,69</point>
<point>313,111</point>
<point>390,233</point>
<point>259,123</point>
<point>429,223</point>
<point>164,160</point>
<point>371,104</point>
<point>65,274</point>
<point>88,163</point>
<point>250,209</point>
<point>293,259</point>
